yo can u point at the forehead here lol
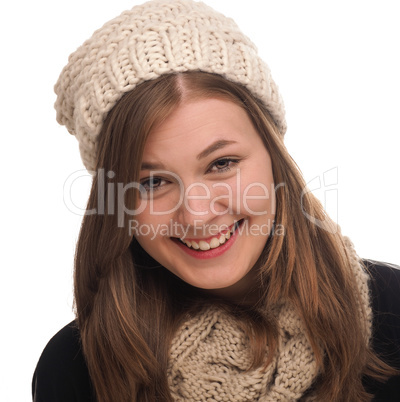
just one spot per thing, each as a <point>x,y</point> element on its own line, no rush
<point>198,129</point>
<point>199,120</point>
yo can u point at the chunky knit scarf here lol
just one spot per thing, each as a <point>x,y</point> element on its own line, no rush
<point>209,358</point>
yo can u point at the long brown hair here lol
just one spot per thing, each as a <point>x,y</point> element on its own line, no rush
<point>128,306</point>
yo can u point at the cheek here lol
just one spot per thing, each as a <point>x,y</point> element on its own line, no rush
<point>161,205</point>
<point>141,228</point>
<point>148,228</point>
<point>248,194</point>
<point>257,194</point>
<point>258,199</point>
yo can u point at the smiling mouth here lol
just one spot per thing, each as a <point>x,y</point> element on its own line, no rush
<point>213,242</point>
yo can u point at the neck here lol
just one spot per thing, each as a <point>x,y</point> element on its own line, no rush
<point>246,291</point>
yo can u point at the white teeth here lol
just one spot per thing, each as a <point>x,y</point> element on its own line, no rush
<point>204,245</point>
<point>214,243</point>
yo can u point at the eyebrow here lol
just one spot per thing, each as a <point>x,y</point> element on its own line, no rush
<point>203,154</point>
<point>152,166</point>
<point>214,147</point>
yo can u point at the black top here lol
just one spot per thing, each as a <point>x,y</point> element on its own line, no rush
<point>61,374</point>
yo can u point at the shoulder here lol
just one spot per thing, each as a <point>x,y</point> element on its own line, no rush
<point>383,272</point>
<point>385,289</point>
<point>61,373</point>
<point>385,303</point>
<point>385,299</point>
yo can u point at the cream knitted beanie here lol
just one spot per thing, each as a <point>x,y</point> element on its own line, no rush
<point>156,38</point>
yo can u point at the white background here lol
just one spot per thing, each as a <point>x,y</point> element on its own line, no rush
<point>337,65</point>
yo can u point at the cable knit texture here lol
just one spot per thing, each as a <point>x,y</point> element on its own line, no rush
<point>209,357</point>
<point>156,38</point>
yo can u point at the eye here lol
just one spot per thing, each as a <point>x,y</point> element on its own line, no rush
<point>152,184</point>
<point>222,165</point>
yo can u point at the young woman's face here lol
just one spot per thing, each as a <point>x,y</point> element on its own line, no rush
<point>208,204</point>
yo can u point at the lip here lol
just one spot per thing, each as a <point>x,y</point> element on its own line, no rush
<point>212,253</point>
<point>207,239</point>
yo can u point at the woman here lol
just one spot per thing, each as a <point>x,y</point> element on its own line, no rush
<point>203,270</point>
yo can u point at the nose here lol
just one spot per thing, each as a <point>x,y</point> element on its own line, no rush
<point>195,210</point>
